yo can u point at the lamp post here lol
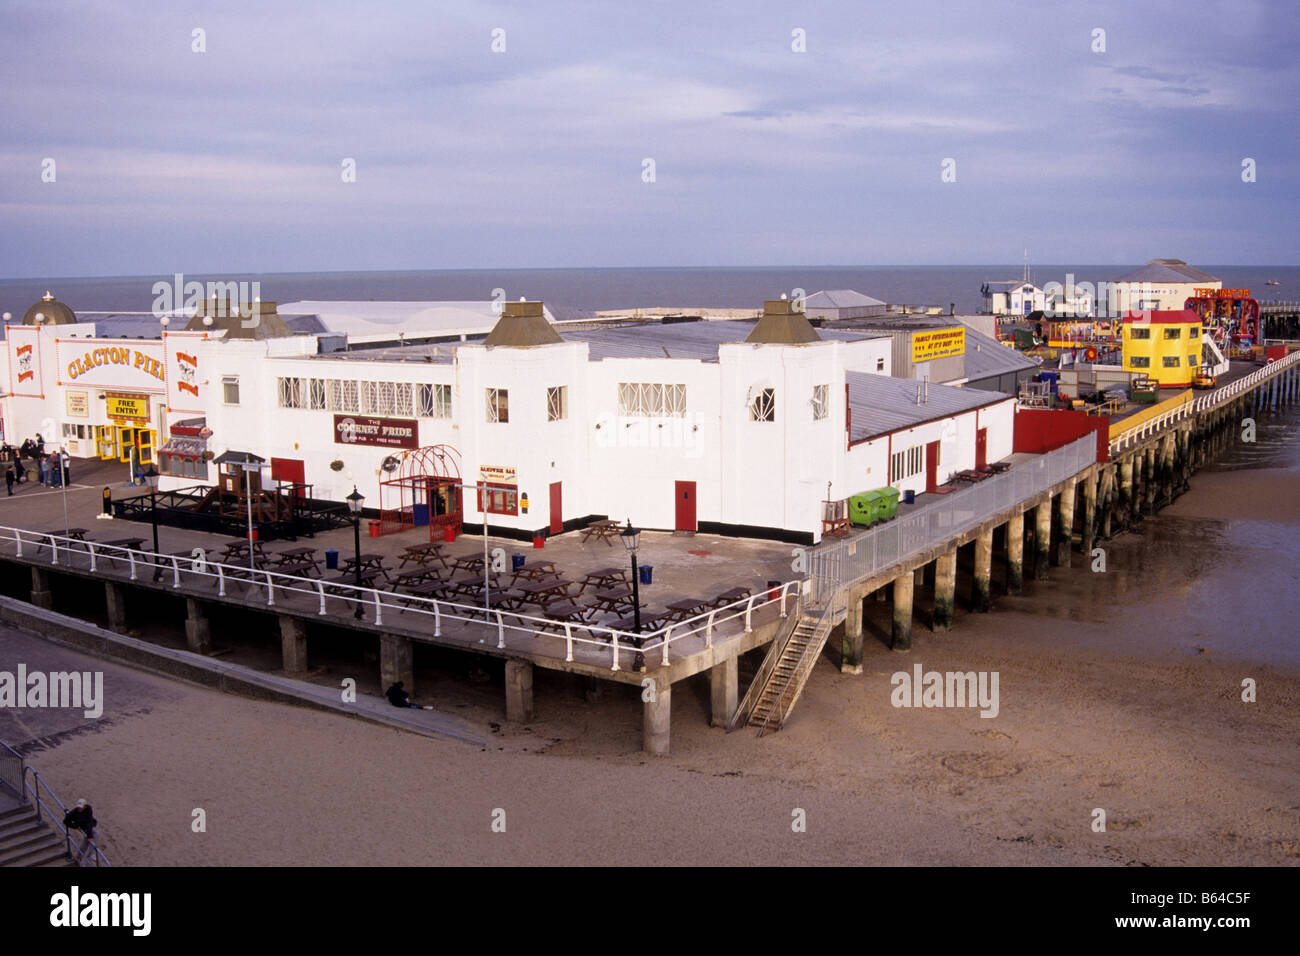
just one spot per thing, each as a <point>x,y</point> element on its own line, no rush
<point>354,505</point>
<point>151,476</point>
<point>631,537</point>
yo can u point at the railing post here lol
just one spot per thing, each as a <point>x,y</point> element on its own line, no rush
<point>615,647</point>
<point>176,572</point>
<point>568,642</point>
<point>221,580</point>
<point>54,550</point>
<point>90,548</point>
<point>501,631</point>
<point>437,620</point>
<point>130,556</point>
<point>784,591</point>
<point>320,591</point>
<point>18,538</point>
<point>749,612</point>
<point>668,633</point>
<point>270,590</point>
<point>379,607</point>
<point>708,628</point>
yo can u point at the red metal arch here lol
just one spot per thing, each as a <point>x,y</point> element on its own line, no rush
<point>424,488</point>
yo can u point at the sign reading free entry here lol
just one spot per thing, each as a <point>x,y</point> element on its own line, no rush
<point>381,432</point>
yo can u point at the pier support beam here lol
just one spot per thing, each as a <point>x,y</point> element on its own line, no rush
<point>901,638</point>
<point>945,590</point>
<point>293,646</point>
<point>1124,492</point>
<point>396,662</point>
<point>198,629</point>
<point>656,721</point>
<point>115,599</point>
<point>41,596</point>
<point>1065,524</point>
<point>1042,539</point>
<point>1105,500</point>
<point>1149,492</point>
<point>519,690</point>
<point>1016,554</point>
<point>724,690</point>
<point>851,645</point>
<point>1089,513</point>
<point>979,597</point>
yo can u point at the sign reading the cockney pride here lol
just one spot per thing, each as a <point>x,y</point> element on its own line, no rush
<point>111,363</point>
<point>938,343</point>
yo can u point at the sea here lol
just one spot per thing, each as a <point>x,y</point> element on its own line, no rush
<point>955,287</point>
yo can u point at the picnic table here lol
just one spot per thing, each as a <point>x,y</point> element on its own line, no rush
<point>604,530</point>
<point>602,579</point>
<point>537,571</point>
<point>730,595</point>
<point>368,577</point>
<point>368,561</point>
<point>998,467</point>
<point>424,554</point>
<point>420,575</point>
<point>473,562</point>
<point>237,550</point>
<point>613,599</point>
<point>686,608</point>
<point>293,561</point>
<point>76,534</point>
<point>567,612</point>
<point>131,544</point>
<point>544,593</point>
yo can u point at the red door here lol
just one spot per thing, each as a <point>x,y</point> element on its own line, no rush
<point>932,466</point>
<point>289,470</point>
<point>685,492</point>
<point>981,449</point>
<point>557,514</point>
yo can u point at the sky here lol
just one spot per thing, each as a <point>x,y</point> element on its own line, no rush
<point>780,134</point>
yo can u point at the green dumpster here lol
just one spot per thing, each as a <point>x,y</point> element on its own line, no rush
<point>888,503</point>
<point>864,509</point>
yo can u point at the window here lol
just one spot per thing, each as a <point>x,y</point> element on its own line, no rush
<point>230,389</point>
<point>1139,361</point>
<point>821,402</point>
<point>649,400</point>
<point>290,392</point>
<point>1136,333</point>
<point>501,499</point>
<point>880,365</point>
<point>907,463</point>
<point>316,393</point>
<point>1193,332</point>
<point>1173,333</point>
<point>498,405</point>
<point>762,408</point>
<point>1171,361</point>
<point>434,401</point>
<point>182,466</point>
<point>1191,360</point>
<point>380,398</point>
<point>341,396</point>
<point>557,403</point>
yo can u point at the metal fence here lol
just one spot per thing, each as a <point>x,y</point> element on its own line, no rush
<point>845,563</point>
<point>505,629</point>
<point>11,762</point>
<point>11,769</point>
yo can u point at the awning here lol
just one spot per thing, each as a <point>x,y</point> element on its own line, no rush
<point>187,446</point>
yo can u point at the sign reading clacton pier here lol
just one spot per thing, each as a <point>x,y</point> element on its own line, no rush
<point>382,432</point>
<point>111,363</point>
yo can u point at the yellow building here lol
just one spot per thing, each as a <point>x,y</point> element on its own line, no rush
<point>1166,345</point>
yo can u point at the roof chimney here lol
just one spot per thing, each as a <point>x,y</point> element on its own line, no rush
<point>522,324</point>
<point>782,325</point>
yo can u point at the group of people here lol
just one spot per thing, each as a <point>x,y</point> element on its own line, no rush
<point>52,468</point>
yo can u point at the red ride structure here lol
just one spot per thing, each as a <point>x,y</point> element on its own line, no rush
<point>1230,317</point>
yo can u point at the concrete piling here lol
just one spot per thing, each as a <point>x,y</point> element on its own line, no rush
<point>1042,539</point>
<point>293,645</point>
<point>851,643</point>
<point>1065,524</point>
<point>724,690</point>
<point>396,662</point>
<point>114,598</point>
<point>41,596</point>
<point>980,599</point>
<point>945,590</point>
<point>656,720</point>
<point>198,629</point>
<point>901,638</point>
<point>1015,554</point>
<point>519,690</point>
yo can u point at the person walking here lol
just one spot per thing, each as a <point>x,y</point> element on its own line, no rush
<point>19,471</point>
<point>9,479</point>
<point>82,817</point>
<point>56,469</point>
<point>43,461</point>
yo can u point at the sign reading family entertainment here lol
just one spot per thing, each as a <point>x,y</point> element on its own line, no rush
<point>127,409</point>
<point>938,343</point>
<point>381,432</point>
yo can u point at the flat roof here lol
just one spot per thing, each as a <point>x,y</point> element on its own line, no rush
<point>882,404</point>
<point>688,340</point>
<point>987,357</point>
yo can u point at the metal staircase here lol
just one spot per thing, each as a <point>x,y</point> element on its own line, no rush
<point>784,671</point>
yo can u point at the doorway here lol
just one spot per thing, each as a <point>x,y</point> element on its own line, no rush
<point>981,448</point>
<point>932,466</point>
<point>557,513</point>
<point>684,492</point>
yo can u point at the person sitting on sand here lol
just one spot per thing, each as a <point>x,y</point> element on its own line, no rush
<point>400,698</point>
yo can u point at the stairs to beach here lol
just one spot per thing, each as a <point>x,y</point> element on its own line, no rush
<point>24,841</point>
<point>784,672</point>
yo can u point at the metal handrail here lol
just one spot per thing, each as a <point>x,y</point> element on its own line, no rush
<point>278,585</point>
<point>805,666</point>
<point>98,859</point>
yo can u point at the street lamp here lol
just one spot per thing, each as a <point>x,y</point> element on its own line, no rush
<point>151,476</point>
<point>631,537</point>
<point>354,505</point>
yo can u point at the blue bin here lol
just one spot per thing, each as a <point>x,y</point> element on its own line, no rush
<point>516,562</point>
<point>909,497</point>
<point>647,572</point>
<point>331,560</point>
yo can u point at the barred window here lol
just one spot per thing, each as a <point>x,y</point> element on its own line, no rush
<point>402,398</point>
<point>557,403</point>
<point>498,405</point>
<point>316,393</point>
<point>650,400</point>
<point>434,401</point>
<point>1139,361</point>
<point>762,408</point>
<point>341,396</point>
<point>290,392</point>
<point>378,398</point>
<point>821,402</point>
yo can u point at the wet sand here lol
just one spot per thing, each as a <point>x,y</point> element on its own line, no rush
<point>1118,690</point>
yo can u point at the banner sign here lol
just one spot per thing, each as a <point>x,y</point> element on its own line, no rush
<point>23,342</point>
<point>110,363</point>
<point>380,432</point>
<point>77,403</point>
<point>495,474</point>
<point>127,409</point>
<point>182,366</point>
<point>938,343</point>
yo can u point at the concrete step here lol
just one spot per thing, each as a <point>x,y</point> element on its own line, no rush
<point>10,827</point>
<point>42,851</point>
<point>15,814</point>
<point>24,839</point>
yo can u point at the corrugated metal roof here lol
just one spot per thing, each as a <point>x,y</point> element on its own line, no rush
<point>839,299</point>
<point>986,357</point>
<point>1167,270</point>
<point>883,404</point>
<point>679,340</point>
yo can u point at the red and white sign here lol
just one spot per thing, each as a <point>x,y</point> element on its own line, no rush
<point>24,344</point>
<point>182,362</point>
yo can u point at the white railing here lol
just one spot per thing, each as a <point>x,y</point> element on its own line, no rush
<point>1202,404</point>
<point>884,545</point>
<point>539,635</point>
